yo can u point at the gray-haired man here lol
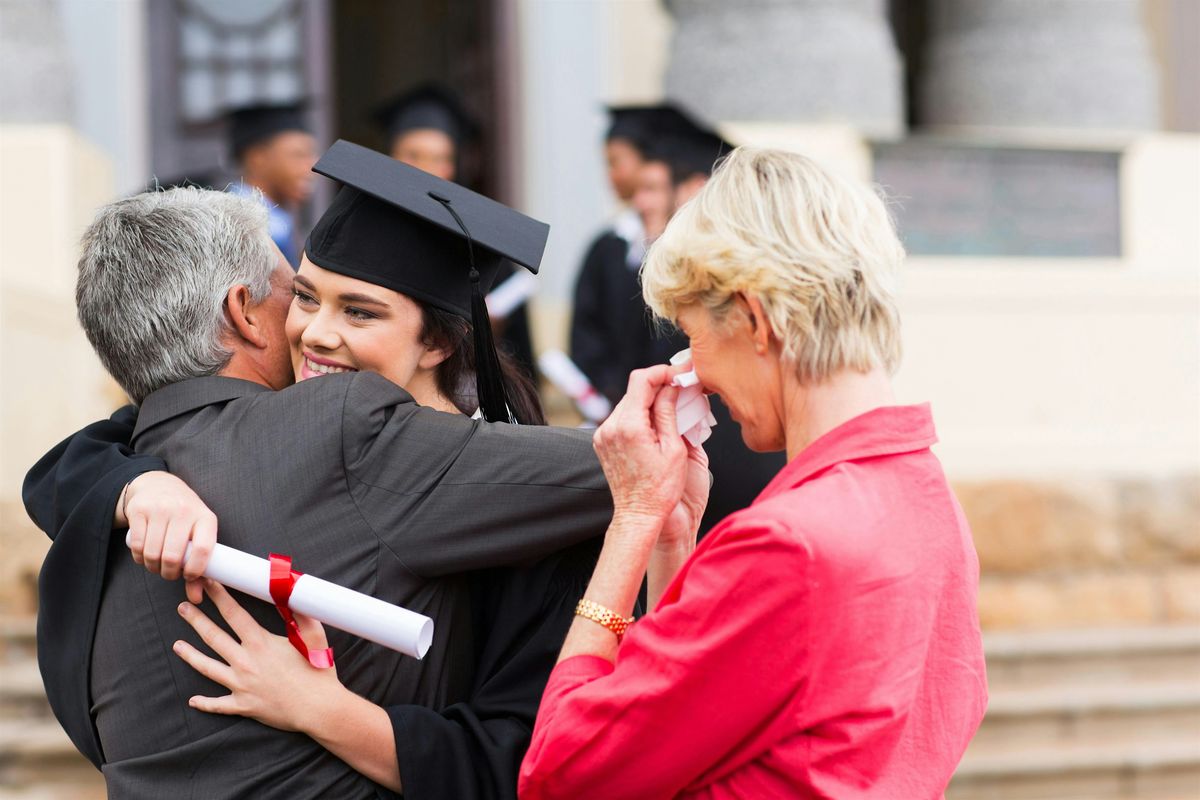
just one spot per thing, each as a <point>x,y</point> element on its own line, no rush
<point>184,298</point>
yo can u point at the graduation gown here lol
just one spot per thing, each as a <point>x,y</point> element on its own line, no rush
<point>433,498</point>
<point>612,332</point>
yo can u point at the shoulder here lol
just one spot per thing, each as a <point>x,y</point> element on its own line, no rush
<point>607,245</point>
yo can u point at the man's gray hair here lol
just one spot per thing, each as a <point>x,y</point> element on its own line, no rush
<point>153,277</point>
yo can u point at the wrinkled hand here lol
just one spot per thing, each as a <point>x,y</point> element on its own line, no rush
<point>164,514</point>
<point>683,523</point>
<point>643,456</point>
<point>267,677</point>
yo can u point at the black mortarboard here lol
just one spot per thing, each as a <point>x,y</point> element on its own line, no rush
<point>634,124</point>
<point>686,145</point>
<point>251,125</point>
<point>400,227</point>
<point>424,107</point>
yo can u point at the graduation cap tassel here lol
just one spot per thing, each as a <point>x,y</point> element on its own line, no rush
<point>489,377</point>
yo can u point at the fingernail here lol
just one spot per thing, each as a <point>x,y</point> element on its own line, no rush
<point>184,607</point>
<point>177,646</point>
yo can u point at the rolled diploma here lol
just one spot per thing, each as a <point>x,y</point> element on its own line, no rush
<point>345,609</point>
<point>510,295</point>
<point>563,373</point>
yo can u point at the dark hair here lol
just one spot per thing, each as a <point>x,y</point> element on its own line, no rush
<point>456,374</point>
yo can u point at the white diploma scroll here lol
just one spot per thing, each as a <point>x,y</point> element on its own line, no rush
<point>570,380</point>
<point>511,295</point>
<point>693,415</point>
<point>345,609</point>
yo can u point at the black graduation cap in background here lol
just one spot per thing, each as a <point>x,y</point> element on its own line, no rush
<point>400,227</point>
<point>655,129</point>
<point>250,125</point>
<point>686,145</point>
<point>634,124</point>
<point>427,106</point>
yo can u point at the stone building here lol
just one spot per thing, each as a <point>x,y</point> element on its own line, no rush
<point>1043,163</point>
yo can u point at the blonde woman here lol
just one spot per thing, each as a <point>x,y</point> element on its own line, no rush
<point>823,642</point>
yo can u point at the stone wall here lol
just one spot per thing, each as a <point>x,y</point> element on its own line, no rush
<point>1086,553</point>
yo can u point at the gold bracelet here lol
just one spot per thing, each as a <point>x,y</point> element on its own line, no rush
<point>605,617</point>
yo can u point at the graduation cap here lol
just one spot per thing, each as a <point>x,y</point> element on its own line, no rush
<point>400,227</point>
<point>251,125</point>
<point>686,145</point>
<point>634,124</point>
<point>427,106</point>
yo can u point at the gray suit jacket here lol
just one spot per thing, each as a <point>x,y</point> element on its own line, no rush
<point>360,486</point>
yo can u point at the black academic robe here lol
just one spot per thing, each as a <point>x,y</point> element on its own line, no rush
<point>71,494</point>
<point>471,749</point>
<point>516,337</point>
<point>611,331</point>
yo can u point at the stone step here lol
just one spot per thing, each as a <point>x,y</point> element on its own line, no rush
<point>18,638</point>
<point>36,755</point>
<point>21,693</point>
<point>1029,660</point>
<point>1134,711</point>
<point>1160,770</point>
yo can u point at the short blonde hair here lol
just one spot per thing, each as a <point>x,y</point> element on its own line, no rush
<point>820,253</point>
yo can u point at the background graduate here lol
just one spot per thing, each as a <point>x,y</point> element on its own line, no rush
<point>274,150</point>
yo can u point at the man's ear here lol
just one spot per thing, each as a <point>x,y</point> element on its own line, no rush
<point>244,317</point>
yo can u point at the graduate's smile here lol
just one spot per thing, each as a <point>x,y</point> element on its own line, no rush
<point>312,366</point>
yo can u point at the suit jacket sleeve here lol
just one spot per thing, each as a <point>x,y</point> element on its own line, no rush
<point>473,750</point>
<point>70,494</point>
<point>448,494</point>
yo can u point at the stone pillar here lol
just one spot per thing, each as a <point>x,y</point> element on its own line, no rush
<point>788,61</point>
<point>1051,64</point>
<point>35,72</point>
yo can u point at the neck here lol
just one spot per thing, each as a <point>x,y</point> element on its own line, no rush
<point>423,388</point>
<point>812,411</point>
<point>247,369</point>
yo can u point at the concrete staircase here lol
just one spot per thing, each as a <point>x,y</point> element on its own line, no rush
<point>37,760</point>
<point>1088,715</point>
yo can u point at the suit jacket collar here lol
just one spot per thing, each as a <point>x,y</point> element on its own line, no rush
<point>191,395</point>
<point>884,431</point>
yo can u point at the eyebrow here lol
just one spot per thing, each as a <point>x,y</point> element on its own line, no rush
<point>348,297</point>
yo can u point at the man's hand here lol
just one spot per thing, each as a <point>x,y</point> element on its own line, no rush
<point>163,515</point>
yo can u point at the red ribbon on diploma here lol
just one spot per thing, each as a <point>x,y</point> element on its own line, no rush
<point>283,580</point>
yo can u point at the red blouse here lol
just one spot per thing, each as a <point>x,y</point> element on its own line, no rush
<point>823,642</point>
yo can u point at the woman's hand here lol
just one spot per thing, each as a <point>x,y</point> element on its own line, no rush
<point>163,514</point>
<point>267,677</point>
<point>640,449</point>
<point>684,521</point>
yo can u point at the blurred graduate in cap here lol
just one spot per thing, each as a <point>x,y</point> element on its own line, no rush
<point>611,332</point>
<point>490,529</point>
<point>274,150</point>
<point>427,127</point>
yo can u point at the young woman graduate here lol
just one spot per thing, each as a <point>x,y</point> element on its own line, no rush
<point>381,288</point>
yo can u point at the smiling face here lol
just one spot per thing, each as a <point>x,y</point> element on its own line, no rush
<point>341,324</point>
<point>743,368</point>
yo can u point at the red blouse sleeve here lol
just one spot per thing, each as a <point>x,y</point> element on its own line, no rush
<point>701,685</point>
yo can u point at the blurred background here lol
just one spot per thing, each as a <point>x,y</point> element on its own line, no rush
<point>1043,163</point>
